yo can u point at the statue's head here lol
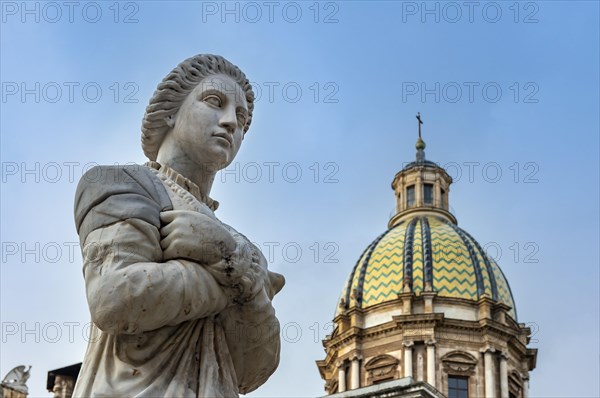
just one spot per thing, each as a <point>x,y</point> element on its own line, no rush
<point>174,89</point>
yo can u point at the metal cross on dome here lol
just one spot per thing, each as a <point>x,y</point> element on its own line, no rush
<point>420,122</point>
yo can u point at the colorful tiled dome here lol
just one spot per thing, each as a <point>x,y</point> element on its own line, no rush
<point>424,251</point>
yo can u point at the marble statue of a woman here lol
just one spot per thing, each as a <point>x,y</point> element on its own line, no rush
<point>180,302</point>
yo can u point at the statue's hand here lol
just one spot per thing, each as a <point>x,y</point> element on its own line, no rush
<point>239,273</point>
<point>194,236</point>
<point>243,275</point>
<point>254,277</point>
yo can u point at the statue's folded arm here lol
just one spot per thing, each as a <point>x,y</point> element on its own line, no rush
<point>129,291</point>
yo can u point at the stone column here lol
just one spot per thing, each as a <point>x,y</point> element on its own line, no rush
<point>341,377</point>
<point>408,367</point>
<point>526,387</point>
<point>490,385</point>
<point>355,373</point>
<point>503,376</point>
<point>400,195</point>
<point>437,195</point>
<point>431,362</point>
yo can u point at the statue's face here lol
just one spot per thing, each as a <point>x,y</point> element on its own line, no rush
<point>209,126</point>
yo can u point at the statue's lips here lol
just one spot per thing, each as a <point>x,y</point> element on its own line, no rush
<point>225,137</point>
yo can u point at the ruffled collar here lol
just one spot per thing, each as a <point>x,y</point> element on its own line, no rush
<point>185,183</point>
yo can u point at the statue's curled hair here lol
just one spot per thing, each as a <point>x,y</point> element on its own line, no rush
<point>174,89</point>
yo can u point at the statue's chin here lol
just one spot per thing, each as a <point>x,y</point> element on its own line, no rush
<point>218,158</point>
<point>224,162</point>
<point>207,164</point>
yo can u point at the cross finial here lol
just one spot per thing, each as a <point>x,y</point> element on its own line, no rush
<point>420,143</point>
<point>420,122</point>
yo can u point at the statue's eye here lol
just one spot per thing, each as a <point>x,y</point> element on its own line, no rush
<point>242,119</point>
<point>213,100</point>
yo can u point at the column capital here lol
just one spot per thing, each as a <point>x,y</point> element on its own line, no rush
<point>356,355</point>
<point>408,344</point>
<point>488,348</point>
<point>431,342</point>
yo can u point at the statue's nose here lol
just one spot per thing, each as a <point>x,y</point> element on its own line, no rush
<point>228,119</point>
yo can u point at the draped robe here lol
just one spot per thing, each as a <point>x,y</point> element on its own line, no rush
<point>162,328</point>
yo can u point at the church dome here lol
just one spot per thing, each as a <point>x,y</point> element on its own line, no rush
<point>426,306</point>
<point>425,253</point>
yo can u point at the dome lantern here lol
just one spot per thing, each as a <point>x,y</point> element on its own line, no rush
<point>421,187</point>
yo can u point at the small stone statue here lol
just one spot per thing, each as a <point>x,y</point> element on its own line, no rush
<point>180,302</point>
<point>16,380</point>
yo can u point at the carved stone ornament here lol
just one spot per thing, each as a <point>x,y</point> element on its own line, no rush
<point>382,367</point>
<point>331,386</point>
<point>515,382</point>
<point>16,379</point>
<point>459,363</point>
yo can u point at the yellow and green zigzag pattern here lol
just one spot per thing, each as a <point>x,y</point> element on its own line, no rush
<point>379,274</point>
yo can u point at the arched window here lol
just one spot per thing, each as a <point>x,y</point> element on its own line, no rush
<point>410,196</point>
<point>458,367</point>
<point>428,194</point>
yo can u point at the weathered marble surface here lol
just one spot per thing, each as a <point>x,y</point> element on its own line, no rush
<point>181,303</point>
<point>14,384</point>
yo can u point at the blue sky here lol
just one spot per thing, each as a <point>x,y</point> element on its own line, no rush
<point>509,93</point>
